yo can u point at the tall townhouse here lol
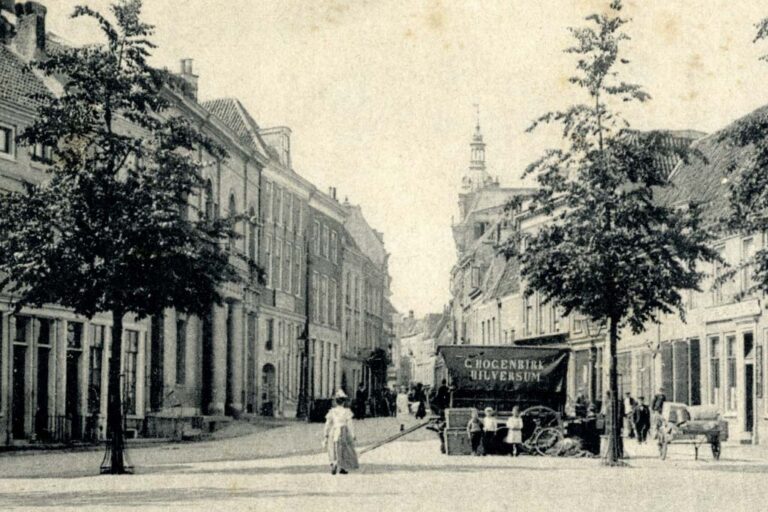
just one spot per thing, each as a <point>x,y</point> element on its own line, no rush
<point>366,331</point>
<point>325,274</point>
<point>717,357</point>
<point>53,378</point>
<point>282,227</point>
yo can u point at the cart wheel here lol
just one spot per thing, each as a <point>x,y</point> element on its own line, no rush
<point>663,447</point>
<point>716,449</point>
<point>547,439</point>
<point>547,417</point>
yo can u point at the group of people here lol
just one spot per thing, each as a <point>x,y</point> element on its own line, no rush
<point>490,436</point>
<point>638,417</point>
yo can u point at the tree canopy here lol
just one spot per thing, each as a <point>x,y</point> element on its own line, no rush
<point>109,227</point>
<point>611,250</point>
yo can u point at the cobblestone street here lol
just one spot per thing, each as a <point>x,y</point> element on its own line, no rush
<point>399,476</point>
<point>257,472</point>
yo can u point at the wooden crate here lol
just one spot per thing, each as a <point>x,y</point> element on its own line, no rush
<point>457,442</point>
<point>458,417</point>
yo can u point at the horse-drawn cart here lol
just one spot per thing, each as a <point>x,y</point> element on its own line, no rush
<point>697,425</point>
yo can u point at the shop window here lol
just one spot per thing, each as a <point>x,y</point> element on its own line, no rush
<point>714,370</point>
<point>22,327</point>
<point>730,346</point>
<point>95,368</point>
<point>131,357</point>
<point>74,335</point>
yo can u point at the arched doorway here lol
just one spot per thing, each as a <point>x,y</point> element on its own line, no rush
<point>268,390</point>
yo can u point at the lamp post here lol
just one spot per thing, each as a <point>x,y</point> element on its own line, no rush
<point>594,330</point>
<point>304,344</point>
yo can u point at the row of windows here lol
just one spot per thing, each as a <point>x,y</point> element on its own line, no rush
<point>325,242</point>
<point>355,288</point>
<point>324,365</point>
<point>324,295</point>
<point>37,152</point>
<point>548,312</point>
<point>283,265</point>
<point>282,207</point>
<point>41,330</point>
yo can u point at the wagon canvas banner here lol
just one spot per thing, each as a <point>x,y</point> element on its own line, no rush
<point>520,374</point>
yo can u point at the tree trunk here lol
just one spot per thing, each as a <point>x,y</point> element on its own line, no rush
<point>114,403</point>
<point>615,450</point>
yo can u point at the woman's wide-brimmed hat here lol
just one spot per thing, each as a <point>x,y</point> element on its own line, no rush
<point>340,394</point>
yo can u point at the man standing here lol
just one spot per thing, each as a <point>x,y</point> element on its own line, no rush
<point>656,407</point>
<point>642,419</point>
<point>361,397</point>
<point>629,408</point>
<point>443,397</point>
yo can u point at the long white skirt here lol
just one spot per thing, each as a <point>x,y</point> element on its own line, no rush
<point>342,452</point>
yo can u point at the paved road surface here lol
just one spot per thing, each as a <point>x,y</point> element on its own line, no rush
<point>405,476</point>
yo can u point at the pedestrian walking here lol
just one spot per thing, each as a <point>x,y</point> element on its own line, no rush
<point>361,397</point>
<point>657,405</point>
<point>515,432</point>
<point>642,419</point>
<point>420,397</point>
<point>340,436</point>
<point>402,407</point>
<point>628,410</point>
<point>490,431</point>
<point>475,432</point>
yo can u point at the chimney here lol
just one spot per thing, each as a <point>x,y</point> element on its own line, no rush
<point>189,76</point>
<point>332,192</point>
<point>410,314</point>
<point>30,28</point>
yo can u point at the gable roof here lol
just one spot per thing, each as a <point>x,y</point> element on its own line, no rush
<point>701,179</point>
<point>233,114</point>
<point>17,81</point>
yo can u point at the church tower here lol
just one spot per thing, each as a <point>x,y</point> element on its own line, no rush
<point>476,177</point>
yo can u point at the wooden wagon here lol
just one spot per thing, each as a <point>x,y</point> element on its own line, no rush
<point>696,425</point>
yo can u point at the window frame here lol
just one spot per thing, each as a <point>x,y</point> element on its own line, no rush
<point>8,132</point>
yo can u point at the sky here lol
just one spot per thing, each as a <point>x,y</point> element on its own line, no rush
<point>379,94</point>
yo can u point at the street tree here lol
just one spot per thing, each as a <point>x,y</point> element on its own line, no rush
<point>611,250</point>
<point>748,184</point>
<point>108,228</point>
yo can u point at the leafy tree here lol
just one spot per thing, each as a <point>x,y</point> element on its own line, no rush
<point>748,183</point>
<point>611,250</point>
<point>108,229</point>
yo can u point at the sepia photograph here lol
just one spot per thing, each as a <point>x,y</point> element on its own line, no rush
<point>383,255</point>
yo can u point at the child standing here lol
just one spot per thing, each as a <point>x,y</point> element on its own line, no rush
<point>515,431</point>
<point>475,432</point>
<point>490,428</point>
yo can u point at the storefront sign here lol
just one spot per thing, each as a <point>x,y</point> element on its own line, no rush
<point>527,374</point>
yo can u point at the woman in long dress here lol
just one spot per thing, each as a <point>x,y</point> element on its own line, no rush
<point>401,404</point>
<point>339,436</point>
